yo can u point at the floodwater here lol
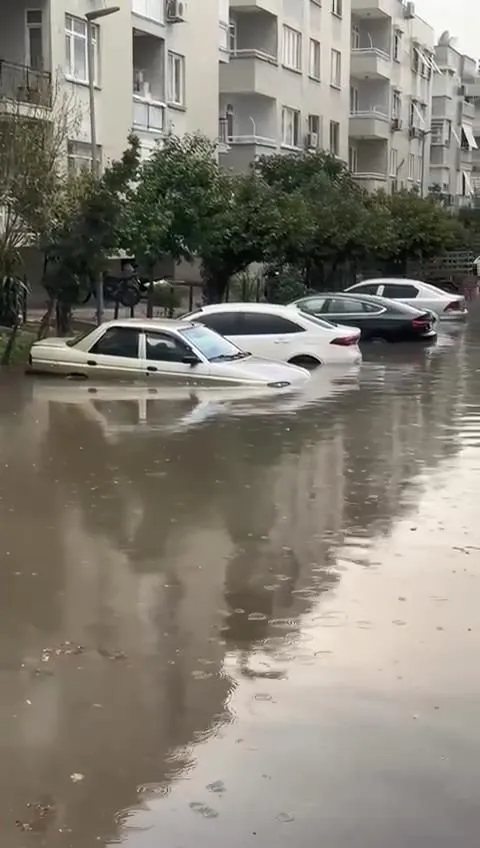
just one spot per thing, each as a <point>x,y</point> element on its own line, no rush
<point>244,623</point>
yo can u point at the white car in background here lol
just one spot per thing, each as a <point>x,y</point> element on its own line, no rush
<point>416,293</point>
<point>172,351</point>
<point>280,333</point>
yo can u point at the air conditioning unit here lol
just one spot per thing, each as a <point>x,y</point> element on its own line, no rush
<point>174,11</point>
<point>397,124</point>
<point>311,141</point>
<point>409,11</point>
<point>415,132</point>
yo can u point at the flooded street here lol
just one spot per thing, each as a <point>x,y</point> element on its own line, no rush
<point>238,623</point>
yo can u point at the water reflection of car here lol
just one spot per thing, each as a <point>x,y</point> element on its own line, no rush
<point>377,318</point>
<point>160,349</point>
<point>122,408</point>
<point>273,331</point>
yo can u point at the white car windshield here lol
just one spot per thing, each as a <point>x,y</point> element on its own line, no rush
<point>212,345</point>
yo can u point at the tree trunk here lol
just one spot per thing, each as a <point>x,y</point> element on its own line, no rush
<point>215,287</point>
<point>64,318</point>
<point>46,320</point>
<point>7,353</point>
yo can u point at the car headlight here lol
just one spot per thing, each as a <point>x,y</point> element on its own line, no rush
<point>279,385</point>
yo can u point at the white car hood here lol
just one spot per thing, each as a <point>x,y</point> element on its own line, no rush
<point>264,371</point>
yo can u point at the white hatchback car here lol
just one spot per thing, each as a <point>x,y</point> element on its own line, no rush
<point>175,351</point>
<point>278,332</point>
<point>416,293</point>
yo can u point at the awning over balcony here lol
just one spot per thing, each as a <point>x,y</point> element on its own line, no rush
<point>469,137</point>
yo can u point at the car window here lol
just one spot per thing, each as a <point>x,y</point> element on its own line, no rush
<point>211,344</point>
<point>365,288</point>
<point>372,307</point>
<point>118,341</point>
<point>313,304</point>
<point>163,347</point>
<point>394,290</point>
<point>267,324</point>
<point>344,305</point>
<point>225,323</point>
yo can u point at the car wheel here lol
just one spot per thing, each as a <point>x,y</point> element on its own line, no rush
<point>378,340</point>
<point>308,362</point>
<point>130,295</point>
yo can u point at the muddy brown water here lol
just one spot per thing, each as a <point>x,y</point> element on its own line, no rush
<point>244,623</point>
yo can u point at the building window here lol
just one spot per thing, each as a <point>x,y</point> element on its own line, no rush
<point>397,45</point>
<point>353,160</point>
<point>415,63</point>
<point>354,100</point>
<point>337,7</point>
<point>314,131</point>
<point>393,162</point>
<point>396,105</point>
<point>290,127</point>
<point>292,49</point>
<point>334,138</point>
<point>411,166</point>
<point>34,22</point>
<point>336,69</point>
<point>79,157</point>
<point>176,79</point>
<point>419,169</point>
<point>76,49</point>
<point>314,59</point>
<point>355,38</point>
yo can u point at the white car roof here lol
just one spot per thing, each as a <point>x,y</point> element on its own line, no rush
<point>243,307</point>
<point>147,323</point>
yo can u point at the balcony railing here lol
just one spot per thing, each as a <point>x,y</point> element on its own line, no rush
<point>24,85</point>
<point>148,115</point>
<point>371,51</point>
<point>253,53</point>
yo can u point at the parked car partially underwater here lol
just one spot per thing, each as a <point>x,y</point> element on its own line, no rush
<point>423,296</point>
<point>278,333</point>
<point>377,318</point>
<point>168,350</point>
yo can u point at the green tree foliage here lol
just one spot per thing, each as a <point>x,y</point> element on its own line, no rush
<point>257,223</point>
<point>420,228</point>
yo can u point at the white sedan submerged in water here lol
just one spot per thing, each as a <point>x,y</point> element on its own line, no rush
<point>280,333</point>
<point>176,351</point>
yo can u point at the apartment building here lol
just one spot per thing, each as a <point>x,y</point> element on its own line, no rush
<point>151,73</point>
<point>285,87</point>
<point>392,68</point>
<point>454,149</point>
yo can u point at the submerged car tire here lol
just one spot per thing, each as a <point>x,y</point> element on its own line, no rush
<point>379,340</point>
<point>308,362</point>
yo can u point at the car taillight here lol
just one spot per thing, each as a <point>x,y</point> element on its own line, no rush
<point>345,341</point>
<point>420,323</point>
<point>455,306</point>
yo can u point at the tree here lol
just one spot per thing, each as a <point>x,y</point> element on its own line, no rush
<point>87,229</point>
<point>421,228</point>
<point>297,171</point>
<point>177,192</point>
<point>256,223</point>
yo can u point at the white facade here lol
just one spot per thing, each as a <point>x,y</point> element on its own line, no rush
<point>153,72</point>
<point>391,76</point>
<point>453,144</point>
<point>285,87</point>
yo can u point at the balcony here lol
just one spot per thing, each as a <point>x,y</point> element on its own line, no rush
<point>468,111</point>
<point>472,89</point>
<point>370,63</point>
<point>270,6</point>
<point>370,180</point>
<point>370,124</point>
<point>22,85</point>
<point>237,152</point>
<point>250,72</point>
<point>148,115</point>
<point>372,8</point>
<point>150,10</point>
